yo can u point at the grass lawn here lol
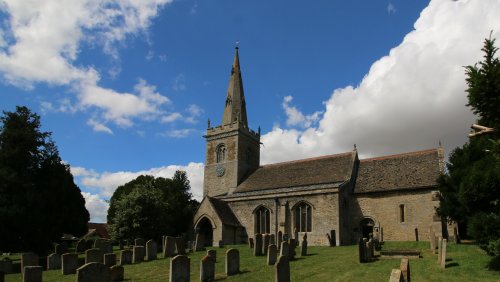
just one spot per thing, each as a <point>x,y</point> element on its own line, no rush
<point>464,263</point>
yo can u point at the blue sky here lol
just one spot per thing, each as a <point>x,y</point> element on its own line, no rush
<point>127,87</point>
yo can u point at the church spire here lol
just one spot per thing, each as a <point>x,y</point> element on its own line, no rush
<point>235,108</point>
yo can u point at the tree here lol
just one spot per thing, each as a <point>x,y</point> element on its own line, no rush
<point>470,191</point>
<point>149,207</point>
<point>39,200</point>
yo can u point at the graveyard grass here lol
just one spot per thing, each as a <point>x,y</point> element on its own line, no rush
<point>464,263</point>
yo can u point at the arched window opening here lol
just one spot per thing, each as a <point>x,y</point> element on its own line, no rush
<point>262,221</point>
<point>402,215</point>
<point>303,217</point>
<point>221,153</point>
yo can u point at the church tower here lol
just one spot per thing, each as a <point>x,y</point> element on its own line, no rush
<point>233,150</point>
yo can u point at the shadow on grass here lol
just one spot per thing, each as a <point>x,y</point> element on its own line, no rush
<point>312,254</point>
<point>453,264</point>
<point>494,264</point>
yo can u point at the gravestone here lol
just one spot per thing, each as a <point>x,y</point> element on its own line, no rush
<point>265,245</point>
<point>94,255</point>
<point>213,254</point>
<point>139,242</point>
<point>361,250</point>
<point>368,254</point>
<point>179,269</point>
<point>81,246</point>
<point>152,250</point>
<point>53,261</point>
<point>416,234</point>
<point>333,236</point>
<point>432,239</point>
<point>169,247</point>
<point>125,257</point>
<point>61,248</point>
<point>285,249</point>
<point>69,263</point>
<point>272,239</point>
<point>32,274</point>
<point>117,273</point>
<point>405,269</point>
<point>110,259</point>
<point>180,249</point>
<point>443,254</point>
<point>396,276</point>
<point>28,259</point>
<point>232,262</point>
<point>285,237</point>
<point>292,244</point>
<point>303,247</point>
<point>440,244</point>
<point>207,269</point>
<point>282,270</point>
<point>257,250</point>
<point>6,266</point>
<point>2,276</point>
<point>250,243</point>
<point>456,236</point>
<point>280,239</point>
<point>272,254</point>
<point>104,245</point>
<point>371,248</point>
<point>138,254</point>
<point>93,272</point>
<point>221,244</point>
<point>200,243</point>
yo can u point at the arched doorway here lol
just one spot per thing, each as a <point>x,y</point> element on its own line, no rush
<point>206,229</point>
<point>367,225</point>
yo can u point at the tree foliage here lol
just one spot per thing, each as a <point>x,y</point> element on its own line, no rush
<point>39,200</point>
<point>470,191</point>
<point>149,207</point>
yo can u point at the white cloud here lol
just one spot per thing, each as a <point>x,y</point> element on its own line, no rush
<point>97,207</point>
<point>179,133</point>
<point>391,9</point>
<point>171,117</point>
<point>99,127</point>
<point>77,171</point>
<point>194,112</point>
<point>409,99</point>
<point>179,83</point>
<point>295,117</point>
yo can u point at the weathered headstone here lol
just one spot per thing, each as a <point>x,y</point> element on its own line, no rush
<point>61,248</point>
<point>169,247</point>
<point>282,269</point>
<point>110,259</point>
<point>104,245</point>
<point>272,239</point>
<point>207,269</point>
<point>333,236</point>
<point>54,261</point>
<point>69,263</point>
<point>125,257</point>
<point>443,254</point>
<point>180,249</point>
<point>221,244</point>
<point>456,237</point>
<point>6,266</point>
<point>138,254</point>
<point>265,245</point>
<point>32,274</point>
<point>303,247</point>
<point>152,250</point>
<point>94,255</point>
<point>361,250</point>
<point>93,272</point>
<point>285,249</point>
<point>368,254</point>
<point>432,239</point>
<point>405,269</point>
<point>416,234</point>
<point>179,269</point>
<point>250,243</point>
<point>139,242</point>
<point>213,254</point>
<point>396,276</point>
<point>117,273</point>
<point>232,262</point>
<point>257,250</point>
<point>28,259</point>
<point>280,239</point>
<point>292,244</point>
<point>272,254</point>
<point>440,244</point>
<point>200,242</point>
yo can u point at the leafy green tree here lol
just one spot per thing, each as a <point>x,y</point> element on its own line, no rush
<point>149,207</point>
<point>39,200</point>
<point>470,191</point>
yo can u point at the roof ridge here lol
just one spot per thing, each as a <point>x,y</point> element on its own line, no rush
<point>422,152</point>
<point>309,159</point>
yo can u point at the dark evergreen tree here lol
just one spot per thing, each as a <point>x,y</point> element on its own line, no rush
<point>38,199</point>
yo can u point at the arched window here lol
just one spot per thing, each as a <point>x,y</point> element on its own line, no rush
<point>303,217</point>
<point>262,218</point>
<point>221,153</point>
<point>402,215</point>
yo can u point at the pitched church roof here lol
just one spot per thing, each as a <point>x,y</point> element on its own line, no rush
<point>224,212</point>
<point>235,108</point>
<point>413,170</point>
<point>331,169</point>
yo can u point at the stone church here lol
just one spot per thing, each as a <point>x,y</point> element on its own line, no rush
<point>335,199</point>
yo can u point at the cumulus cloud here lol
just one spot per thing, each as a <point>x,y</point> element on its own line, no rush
<point>97,207</point>
<point>295,117</point>
<point>179,133</point>
<point>391,9</point>
<point>409,99</point>
<point>99,127</point>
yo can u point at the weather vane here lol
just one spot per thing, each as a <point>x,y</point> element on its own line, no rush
<point>237,44</point>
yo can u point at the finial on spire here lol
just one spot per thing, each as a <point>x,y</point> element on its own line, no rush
<point>259,130</point>
<point>208,123</point>
<point>237,44</point>
<point>355,147</point>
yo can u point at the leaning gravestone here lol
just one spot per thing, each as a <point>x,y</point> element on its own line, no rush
<point>285,249</point>
<point>53,261</point>
<point>180,249</point>
<point>110,259</point>
<point>396,276</point>
<point>272,254</point>
<point>139,242</point>
<point>257,250</point>
<point>94,255</point>
<point>292,244</point>
<point>282,269</point>
<point>207,269</point>
<point>6,266</point>
<point>405,269</point>
<point>138,254</point>
<point>169,247</point>
<point>125,257</point>
<point>93,272</point>
<point>69,263</point>
<point>303,247</point>
<point>250,243</point>
<point>28,259</point>
<point>213,254</point>
<point>151,250</point>
<point>232,262</point>
<point>179,269</point>
<point>443,254</point>
<point>265,238</point>
<point>117,273</point>
<point>200,243</point>
<point>32,274</point>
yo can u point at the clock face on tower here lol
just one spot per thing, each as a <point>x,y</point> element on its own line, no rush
<point>220,170</point>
